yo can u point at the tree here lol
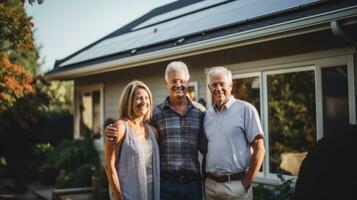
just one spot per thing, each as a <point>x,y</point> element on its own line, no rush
<point>17,53</point>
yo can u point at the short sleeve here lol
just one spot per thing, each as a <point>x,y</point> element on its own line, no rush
<point>252,123</point>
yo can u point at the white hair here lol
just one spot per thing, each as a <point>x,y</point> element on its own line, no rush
<point>175,66</point>
<point>215,71</point>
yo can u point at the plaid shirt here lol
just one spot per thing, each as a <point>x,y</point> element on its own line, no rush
<point>179,137</point>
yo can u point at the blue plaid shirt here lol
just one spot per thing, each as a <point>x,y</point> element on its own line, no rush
<point>179,137</point>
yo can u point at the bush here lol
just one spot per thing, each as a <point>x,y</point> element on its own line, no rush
<point>100,184</point>
<point>284,191</point>
<point>21,132</point>
<point>70,164</point>
<point>79,178</point>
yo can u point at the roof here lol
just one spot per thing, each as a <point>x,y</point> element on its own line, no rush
<point>192,22</point>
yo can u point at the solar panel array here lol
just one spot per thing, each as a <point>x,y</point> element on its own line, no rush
<point>177,27</point>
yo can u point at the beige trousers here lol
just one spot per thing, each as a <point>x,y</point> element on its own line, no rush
<point>232,190</point>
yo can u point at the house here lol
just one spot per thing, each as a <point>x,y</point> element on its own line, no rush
<point>294,60</point>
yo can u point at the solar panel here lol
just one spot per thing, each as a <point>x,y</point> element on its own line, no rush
<point>231,12</point>
<point>178,12</point>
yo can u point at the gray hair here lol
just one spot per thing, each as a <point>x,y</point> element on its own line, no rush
<point>176,66</point>
<point>214,71</point>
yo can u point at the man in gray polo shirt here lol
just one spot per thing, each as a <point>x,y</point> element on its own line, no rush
<point>235,147</point>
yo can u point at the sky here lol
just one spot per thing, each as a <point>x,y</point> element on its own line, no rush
<point>62,27</point>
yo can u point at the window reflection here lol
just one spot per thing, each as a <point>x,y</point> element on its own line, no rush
<point>292,120</point>
<point>335,98</point>
<point>247,89</point>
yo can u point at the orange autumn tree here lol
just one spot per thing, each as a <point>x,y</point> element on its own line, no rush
<point>15,38</point>
<point>15,82</point>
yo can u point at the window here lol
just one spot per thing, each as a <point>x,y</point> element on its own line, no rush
<point>291,115</point>
<point>192,90</point>
<point>335,98</point>
<point>89,111</point>
<point>299,102</point>
<point>247,88</point>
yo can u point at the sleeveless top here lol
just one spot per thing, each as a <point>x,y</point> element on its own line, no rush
<point>146,147</point>
<point>132,170</point>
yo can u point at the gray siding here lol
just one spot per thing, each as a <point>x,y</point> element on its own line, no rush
<point>152,75</point>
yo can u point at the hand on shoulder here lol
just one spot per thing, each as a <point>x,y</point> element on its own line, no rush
<point>115,131</point>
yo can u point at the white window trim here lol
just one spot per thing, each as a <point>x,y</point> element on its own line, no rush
<point>83,89</point>
<point>333,62</point>
<point>266,116</point>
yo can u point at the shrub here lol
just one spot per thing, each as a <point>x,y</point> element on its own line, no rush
<point>70,163</point>
<point>100,184</point>
<point>283,191</point>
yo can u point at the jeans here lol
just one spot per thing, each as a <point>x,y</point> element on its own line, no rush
<point>173,190</point>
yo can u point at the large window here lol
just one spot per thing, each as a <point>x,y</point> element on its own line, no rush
<point>291,119</point>
<point>298,103</point>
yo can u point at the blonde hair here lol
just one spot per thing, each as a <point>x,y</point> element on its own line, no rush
<point>127,97</point>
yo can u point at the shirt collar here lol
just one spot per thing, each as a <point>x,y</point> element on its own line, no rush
<point>230,101</point>
<point>166,103</point>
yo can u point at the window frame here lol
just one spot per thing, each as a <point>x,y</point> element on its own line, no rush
<point>79,90</point>
<point>194,84</point>
<point>265,74</point>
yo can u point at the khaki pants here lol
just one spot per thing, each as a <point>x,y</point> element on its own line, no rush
<point>228,190</point>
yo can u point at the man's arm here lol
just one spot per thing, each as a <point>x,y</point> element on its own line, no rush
<point>256,161</point>
<point>111,132</point>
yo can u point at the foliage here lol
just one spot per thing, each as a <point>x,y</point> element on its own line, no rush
<point>61,95</point>
<point>70,164</point>
<point>29,121</point>
<point>41,150</point>
<point>291,122</point>
<point>15,83</point>
<point>15,27</point>
<point>32,118</point>
<point>17,52</point>
<point>283,191</point>
<point>100,184</point>
<point>80,177</point>
<point>2,161</point>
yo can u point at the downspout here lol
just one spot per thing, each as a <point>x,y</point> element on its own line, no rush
<point>341,33</point>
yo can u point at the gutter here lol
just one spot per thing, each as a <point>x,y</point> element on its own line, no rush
<point>341,33</point>
<point>276,31</point>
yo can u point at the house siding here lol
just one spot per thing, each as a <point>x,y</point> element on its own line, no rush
<point>153,76</point>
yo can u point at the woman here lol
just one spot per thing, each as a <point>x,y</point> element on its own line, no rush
<point>132,159</point>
